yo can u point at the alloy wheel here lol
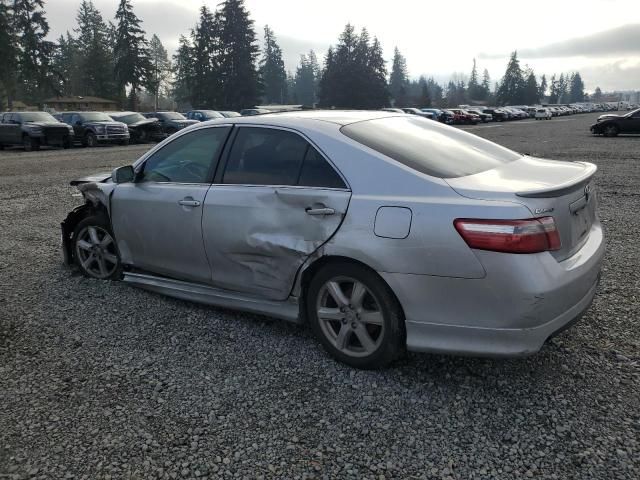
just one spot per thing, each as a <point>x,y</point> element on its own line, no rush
<point>96,252</point>
<point>350,316</point>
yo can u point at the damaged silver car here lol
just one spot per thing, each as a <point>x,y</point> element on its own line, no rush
<point>382,231</point>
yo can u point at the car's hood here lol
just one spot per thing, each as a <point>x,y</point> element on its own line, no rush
<point>102,123</point>
<point>184,122</point>
<point>95,178</point>
<point>608,116</point>
<point>528,176</point>
<point>45,124</point>
<point>146,121</point>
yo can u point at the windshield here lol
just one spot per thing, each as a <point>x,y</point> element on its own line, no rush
<point>134,117</point>
<point>171,116</point>
<point>430,147</point>
<point>37,117</point>
<point>212,114</point>
<point>95,117</point>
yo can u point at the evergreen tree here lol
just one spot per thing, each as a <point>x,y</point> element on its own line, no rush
<point>474,90</point>
<point>563,94</point>
<point>355,73</point>
<point>238,73</point>
<point>131,52</point>
<point>542,89</point>
<point>272,73</point>
<point>306,80</point>
<point>35,78</point>
<point>160,70</point>
<point>553,90</point>
<point>205,82</point>
<point>183,67</point>
<point>511,87</point>
<point>576,89</point>
<point>8,56</point>
<point>65,63</point>
<point>435,92</point>
<point>531,92</point>
<point>425,96</point>
<point>399,78</point>
<point>597,95</point>
<point>485,87</point>
<point>93,56</point>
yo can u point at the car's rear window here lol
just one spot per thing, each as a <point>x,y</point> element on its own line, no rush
<point>429,147</point>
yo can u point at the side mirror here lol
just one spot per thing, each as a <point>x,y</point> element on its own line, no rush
<point>124,174</point>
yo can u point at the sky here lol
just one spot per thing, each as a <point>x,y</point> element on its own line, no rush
<point>598,38</point>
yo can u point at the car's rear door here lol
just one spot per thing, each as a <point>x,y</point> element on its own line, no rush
<point>157,220</point>
<point>275,200</point>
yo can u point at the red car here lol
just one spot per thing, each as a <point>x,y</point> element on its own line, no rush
<point>465,116</point>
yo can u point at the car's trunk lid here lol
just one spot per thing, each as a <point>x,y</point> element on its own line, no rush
<point>562,190</point>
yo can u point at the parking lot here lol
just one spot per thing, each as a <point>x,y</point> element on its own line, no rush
<point>100,380</point>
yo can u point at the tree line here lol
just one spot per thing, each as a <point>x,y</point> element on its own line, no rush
<point>219,65</point>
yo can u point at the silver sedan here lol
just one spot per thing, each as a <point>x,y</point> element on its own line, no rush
<point>382,231</point>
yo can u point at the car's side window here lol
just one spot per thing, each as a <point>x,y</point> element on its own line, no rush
<point>316,172</point>
<point>265,156</point>
<point>75,119</point>
<point>187,159</point>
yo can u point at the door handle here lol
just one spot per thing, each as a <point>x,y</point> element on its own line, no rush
<point>189,203</point>
<point>319,211</point>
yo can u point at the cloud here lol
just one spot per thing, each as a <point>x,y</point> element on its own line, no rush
<point>620,75</point>
<point>624,40</point>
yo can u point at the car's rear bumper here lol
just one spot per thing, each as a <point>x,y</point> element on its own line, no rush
<point>522,300</point>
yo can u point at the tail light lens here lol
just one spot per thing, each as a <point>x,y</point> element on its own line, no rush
<point>511,236</point>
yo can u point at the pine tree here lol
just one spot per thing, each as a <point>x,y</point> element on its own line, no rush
<point>205,82</point>
<point>435,92</point>
<point>35,78</point>
<point>8,56</point>
<point>553,90</point>
<point>473,87</point>
<point>306,80</point>
<point>93,55</point>
<point>160,70</point>
<point>562,89</point>
<point>272,73</point>
<point>597,95</point>
<point>485,87</point>
<point>511,87</point>
<point>542,89</point>
<point>425,96</point>
<point>65,63</point>
<point>238,73</point>
<point>183,67</point>
<point>399,78</point>
<point>531,93</point>
<point>355,73</point>
<point>131,52</point>
<point>576,89</point>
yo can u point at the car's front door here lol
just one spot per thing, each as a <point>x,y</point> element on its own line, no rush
<point>14,129</point>
<point>631,124</point>
<point>276,201</point>
<point>157,220</point>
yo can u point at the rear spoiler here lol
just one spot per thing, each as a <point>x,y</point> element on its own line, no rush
<point>562,188</point>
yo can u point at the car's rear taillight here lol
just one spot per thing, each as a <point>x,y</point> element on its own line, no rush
<point>512,236</point>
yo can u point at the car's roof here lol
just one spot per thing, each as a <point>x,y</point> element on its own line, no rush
<point>338,117</point>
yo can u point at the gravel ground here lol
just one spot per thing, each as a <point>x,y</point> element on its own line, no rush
<point>100,380</point>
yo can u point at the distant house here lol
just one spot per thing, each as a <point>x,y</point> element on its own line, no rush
<point>19,106</point>
<point>79,103</point>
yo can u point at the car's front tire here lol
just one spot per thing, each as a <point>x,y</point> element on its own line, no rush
<point>355,315</point>
<point>94,249</point>
<point>30,143</point>
<point>91,140</point>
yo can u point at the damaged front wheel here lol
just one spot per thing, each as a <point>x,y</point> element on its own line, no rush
<point>94,248</point>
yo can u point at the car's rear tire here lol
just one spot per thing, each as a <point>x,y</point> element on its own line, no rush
<point>94,249</point>
<point>90,140</point>
<point>610,131</point>
<point>355,315</point>
<point>30,144</point>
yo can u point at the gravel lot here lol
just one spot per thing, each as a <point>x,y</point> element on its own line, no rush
<point>100,380</point>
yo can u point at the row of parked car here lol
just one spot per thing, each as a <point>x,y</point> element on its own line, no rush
<point>90,129</point>
<point>471,115</point>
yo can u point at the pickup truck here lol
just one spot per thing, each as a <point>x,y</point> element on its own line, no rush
<point>33,130</point>
<point>94,128</point>
<point>170,122</point>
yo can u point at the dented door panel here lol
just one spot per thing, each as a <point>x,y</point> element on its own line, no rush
<point>257,237</point>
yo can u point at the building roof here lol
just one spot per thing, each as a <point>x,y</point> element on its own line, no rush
<point>78,99</point>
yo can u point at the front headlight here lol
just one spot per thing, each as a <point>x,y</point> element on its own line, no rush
<point>35,130</point>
